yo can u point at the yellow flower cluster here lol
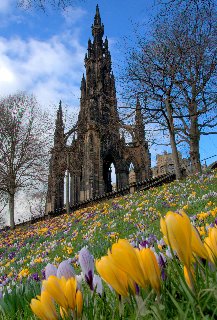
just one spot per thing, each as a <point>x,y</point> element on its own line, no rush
<point>68,249</point>
<point>64,293</point>
<point>23,273</point>
<point>125,266</point>
<point>202,215</point>
<point>214,212</point>
<point>42,230</point>
<point>38,260</point>
<point>201,230</point>
<point>183,238</point>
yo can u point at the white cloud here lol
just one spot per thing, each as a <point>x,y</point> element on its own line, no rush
<point>51,69</point>
<point>5,6</point>
<point>73,14</point>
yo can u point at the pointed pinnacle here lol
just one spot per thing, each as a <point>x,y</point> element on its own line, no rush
<point>97,18</point>
<point>97,9</point>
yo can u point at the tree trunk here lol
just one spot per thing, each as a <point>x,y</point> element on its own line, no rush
<point>171,128</point>
<point>195,142</point>
<point>195,149</point>
<point>175,155</point>
<point>11,210</point>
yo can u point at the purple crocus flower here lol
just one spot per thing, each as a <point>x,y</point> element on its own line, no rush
<point>50,270</point>
<point>86,262</point>
<point>97,284</point>
<point>65,270</point>
<point>162,264</point>
<point>144,244</point>
<point>152,238</point>
<point>35,277</point>
<point>43,274</point>
<point>11,255</point>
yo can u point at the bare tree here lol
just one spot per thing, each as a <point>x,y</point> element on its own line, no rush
<point>151,72</point>
<point>24,146</point>
<point>193,41</point>
<point>42,4</point>
<point>185,5</point>
<point>175,72</point>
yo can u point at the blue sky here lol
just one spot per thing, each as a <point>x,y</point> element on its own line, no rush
<point>43,53</point>
<point>46,50</point>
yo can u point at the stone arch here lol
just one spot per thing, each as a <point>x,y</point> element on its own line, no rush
<point>136,167</point>
<point>107,162</point>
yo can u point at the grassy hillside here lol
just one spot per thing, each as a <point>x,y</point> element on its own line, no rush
<point>25,251</point>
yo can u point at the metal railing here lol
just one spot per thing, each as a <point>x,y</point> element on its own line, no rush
<point>133,187</point>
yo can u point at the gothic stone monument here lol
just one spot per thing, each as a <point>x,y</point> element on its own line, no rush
<point>97,141</point>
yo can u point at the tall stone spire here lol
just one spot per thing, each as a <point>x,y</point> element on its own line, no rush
<point>139,124</point>
<point>59,128</point>
<point>98,94</point>
<point>83,87</point>
<point>97,27</point>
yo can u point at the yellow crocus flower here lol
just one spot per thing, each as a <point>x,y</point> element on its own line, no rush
<point>197,245</point>
<point>176,228</point>
<point>44,307</point>
<point>131,285</point>
<point>211,244</point>
<point>65,293</point>
<point>189,277</point>
<point>125,258</point>
<point>70,292</point>
<point>151,267</point>
<point>113,275</point>
<point>143,266</point>
<point>79,303</point>
<point>64,313</point>
<point>56,287</point>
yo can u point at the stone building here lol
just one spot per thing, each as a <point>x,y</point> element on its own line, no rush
<point>97,142</point>
<point>165,164</point>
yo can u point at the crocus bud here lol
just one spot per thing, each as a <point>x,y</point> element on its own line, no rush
<point>65,270</point>
<point>176,228</point>
<point>97,283</point>
<point>151,267</point>
<point>44,306</point>
<point>114,276</point>
<point>86,262</point>
<point>50,270</point>
<point>79,279</point>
